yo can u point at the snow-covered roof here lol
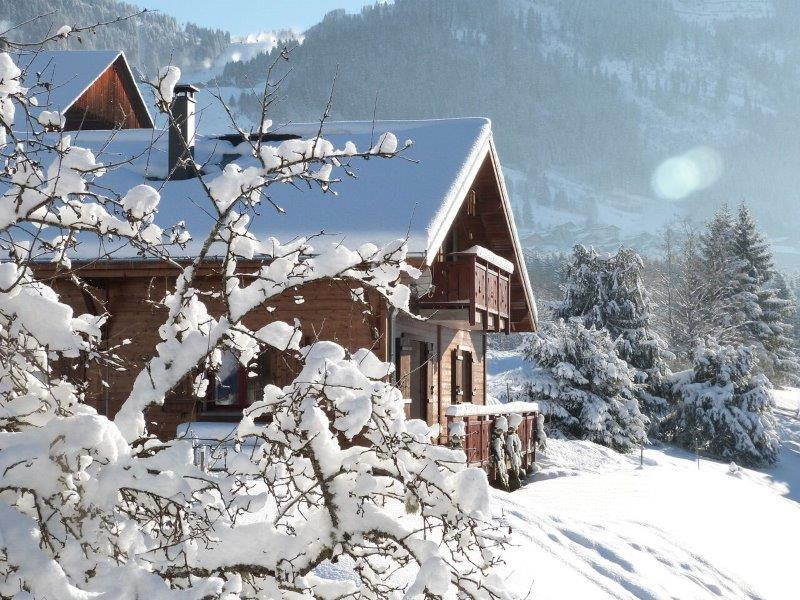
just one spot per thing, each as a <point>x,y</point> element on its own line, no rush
<point>69,72</point>
<point>415,196</point>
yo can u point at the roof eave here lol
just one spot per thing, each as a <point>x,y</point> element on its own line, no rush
<point>453,203</point>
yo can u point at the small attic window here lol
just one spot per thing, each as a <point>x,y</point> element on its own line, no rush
<point>472,203</point>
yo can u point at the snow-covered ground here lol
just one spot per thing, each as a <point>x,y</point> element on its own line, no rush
<point>594,524</point>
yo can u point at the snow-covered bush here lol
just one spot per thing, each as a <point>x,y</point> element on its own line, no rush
<point>92,507</point>
<point>607,292</point>
<point>724,408</point>
<point>585,387</point>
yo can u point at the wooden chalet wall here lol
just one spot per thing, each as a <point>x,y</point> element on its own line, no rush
<point>112,101</point>
<point>486,224</point>
<point>446,344</point>
<point>327,312</point>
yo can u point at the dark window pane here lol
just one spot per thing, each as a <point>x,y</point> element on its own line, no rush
<point>226,390</point>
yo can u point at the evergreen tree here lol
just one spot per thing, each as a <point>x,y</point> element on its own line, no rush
<point>589,390</point>
<point>721,278</point>
<point>781,316</point>
<point>724,406</point>
<point>795,290</point>
<point>607,292</point>
<point>541,191</point>
<point>526,213</point>
<point>764,317</point>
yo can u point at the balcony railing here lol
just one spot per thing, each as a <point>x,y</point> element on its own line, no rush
<point>474,427</point>
<point>476,280</point>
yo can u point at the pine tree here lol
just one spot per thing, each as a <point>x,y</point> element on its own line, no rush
<point>795,290</point>
<point>526,213</point>
<point>725,409</point>
<point>752,269</point>
<point>589,390</point>
<point>764,317</point>
<point>721,277</point>
<point>607,292</point>
<point>781,314</point>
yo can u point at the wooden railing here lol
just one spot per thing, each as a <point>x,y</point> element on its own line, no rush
<point>469,281</point>
<point>471,427</point>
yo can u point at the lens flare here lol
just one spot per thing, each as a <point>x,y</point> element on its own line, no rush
<point>682,175</point>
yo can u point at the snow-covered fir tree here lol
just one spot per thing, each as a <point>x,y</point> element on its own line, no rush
<point>725,409</point>
<point>586,390</point>
<point>794,290</point>
<point>765,316</point>
<point>720,278</point>
<point>607,292</point>
<point>786,352</point>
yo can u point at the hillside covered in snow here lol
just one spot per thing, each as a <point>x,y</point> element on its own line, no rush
<point>596,524</point>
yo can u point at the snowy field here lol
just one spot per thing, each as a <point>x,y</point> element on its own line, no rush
<point>593,524</point>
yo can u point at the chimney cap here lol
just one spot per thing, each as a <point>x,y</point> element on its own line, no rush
<point>186,88</point>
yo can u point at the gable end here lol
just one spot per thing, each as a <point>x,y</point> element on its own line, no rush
<point>112,101</point>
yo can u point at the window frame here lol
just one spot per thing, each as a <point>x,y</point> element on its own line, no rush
<point>264,367</point>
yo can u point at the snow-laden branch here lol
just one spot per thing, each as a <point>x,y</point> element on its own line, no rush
<point>325,471</point>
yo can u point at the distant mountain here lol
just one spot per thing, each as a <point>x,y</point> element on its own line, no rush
<point>587,100</point>
<point>149,41</point>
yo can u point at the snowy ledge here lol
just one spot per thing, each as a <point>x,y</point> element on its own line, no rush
<point>468,409</point>
<point>208,431</point>
<point>490,257</point>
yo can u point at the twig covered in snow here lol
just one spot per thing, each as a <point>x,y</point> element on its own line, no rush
<point>90,506</point>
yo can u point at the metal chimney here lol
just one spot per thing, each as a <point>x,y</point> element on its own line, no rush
<point>182,132</point>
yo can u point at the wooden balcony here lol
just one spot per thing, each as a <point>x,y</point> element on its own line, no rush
<point>471,289</point>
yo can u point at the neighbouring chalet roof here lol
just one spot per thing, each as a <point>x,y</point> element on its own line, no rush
<point>416,196</point>
<point>68,73</point>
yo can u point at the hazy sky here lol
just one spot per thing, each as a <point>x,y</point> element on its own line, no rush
<point>241,17</point>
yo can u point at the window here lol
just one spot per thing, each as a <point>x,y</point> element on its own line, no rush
<point>467,376</point>
<point>233,387</point>
<point>472,203</point>
<point>461,376</point>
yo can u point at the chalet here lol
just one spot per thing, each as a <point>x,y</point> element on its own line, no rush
<point>92,89</point>
<point>450,202</point>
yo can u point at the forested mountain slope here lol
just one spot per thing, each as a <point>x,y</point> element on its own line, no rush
<point>587,99</point>
<point>149,41</point>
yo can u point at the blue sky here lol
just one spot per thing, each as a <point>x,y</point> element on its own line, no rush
<point>241,17</point>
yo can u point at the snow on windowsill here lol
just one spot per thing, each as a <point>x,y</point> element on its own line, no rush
<point>204,431</point>
<point>468,409</point>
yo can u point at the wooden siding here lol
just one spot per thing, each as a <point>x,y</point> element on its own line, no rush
<point>445,342</point>
<point>111,102</point>
<point>327,312</point>
<point>482,220</point>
